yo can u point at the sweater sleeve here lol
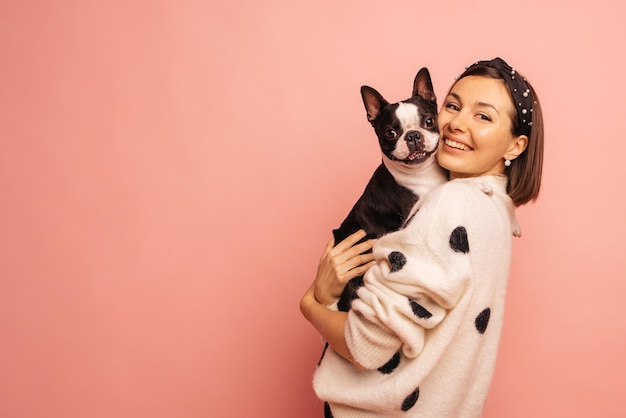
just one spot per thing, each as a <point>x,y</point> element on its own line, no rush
<point>422,274</point>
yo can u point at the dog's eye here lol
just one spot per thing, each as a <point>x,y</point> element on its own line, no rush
<point>430,123</point>
<point>391,133</point>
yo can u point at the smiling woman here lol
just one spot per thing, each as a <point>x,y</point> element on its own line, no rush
<point>491,123</point>
<point>421,339</point>
<point>477,128</point>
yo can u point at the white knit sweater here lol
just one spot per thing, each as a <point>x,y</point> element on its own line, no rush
<point>427,322</point>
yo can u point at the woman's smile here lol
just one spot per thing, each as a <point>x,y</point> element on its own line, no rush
<point>455,144</point>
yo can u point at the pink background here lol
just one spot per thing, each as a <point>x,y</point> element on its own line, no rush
<point>170,172</point>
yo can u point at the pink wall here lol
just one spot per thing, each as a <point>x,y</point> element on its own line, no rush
<point>170,172</point>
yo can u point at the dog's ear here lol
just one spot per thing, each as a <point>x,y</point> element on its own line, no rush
<point>373,102</point>
<point>423,86</point>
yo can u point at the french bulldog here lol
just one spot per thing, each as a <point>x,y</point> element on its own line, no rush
<point>408,136</point>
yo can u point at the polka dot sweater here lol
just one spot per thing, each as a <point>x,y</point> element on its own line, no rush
<point>427,322</point>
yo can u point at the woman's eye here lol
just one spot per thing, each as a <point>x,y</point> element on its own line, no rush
<point>482,116</point>
<point>452,106</point>
<point>391,133</point>
<point>430,123</point>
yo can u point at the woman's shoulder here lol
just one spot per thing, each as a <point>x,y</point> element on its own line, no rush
<point>487,185</point>
<point>470,197</point>
<point>475,200</point>
<point>482,188</point>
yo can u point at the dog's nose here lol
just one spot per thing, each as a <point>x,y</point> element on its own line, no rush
<point>414,136</point>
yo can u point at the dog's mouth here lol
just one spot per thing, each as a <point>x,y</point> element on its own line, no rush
<point>417,155</point>
<point>418,152</point>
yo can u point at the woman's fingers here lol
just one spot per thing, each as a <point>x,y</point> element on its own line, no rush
<point>347,247</point>
<point>355,256</point>
<point>351,240</point>
<point>364,246</point>
<point>361,270</point>
<point>355,266</point>
<point>341,263</point>
<point>349,259</point>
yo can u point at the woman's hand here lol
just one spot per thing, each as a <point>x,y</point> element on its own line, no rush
<point>339,264</point>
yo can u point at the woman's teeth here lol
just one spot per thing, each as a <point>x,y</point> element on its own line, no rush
<point>456,145</point>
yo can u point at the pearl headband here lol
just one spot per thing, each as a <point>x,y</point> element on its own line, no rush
<point>522,95</point>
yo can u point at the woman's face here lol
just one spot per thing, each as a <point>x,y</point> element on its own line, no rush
<point>475,125</point>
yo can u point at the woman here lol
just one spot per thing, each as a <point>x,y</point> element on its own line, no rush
<point>421,339</point>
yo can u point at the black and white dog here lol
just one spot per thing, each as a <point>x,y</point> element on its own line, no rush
<point>408,135</point>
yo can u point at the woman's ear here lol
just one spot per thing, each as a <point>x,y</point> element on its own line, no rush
<point>519,145</point>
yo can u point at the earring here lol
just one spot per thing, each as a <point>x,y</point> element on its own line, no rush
<point>507,163</point>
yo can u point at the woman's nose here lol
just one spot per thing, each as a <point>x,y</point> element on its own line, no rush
<point>457,122</point>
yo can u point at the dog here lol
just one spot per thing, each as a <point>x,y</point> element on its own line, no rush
<point>408,136</point>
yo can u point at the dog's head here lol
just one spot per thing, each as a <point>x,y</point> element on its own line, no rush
<point>407,131</point>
